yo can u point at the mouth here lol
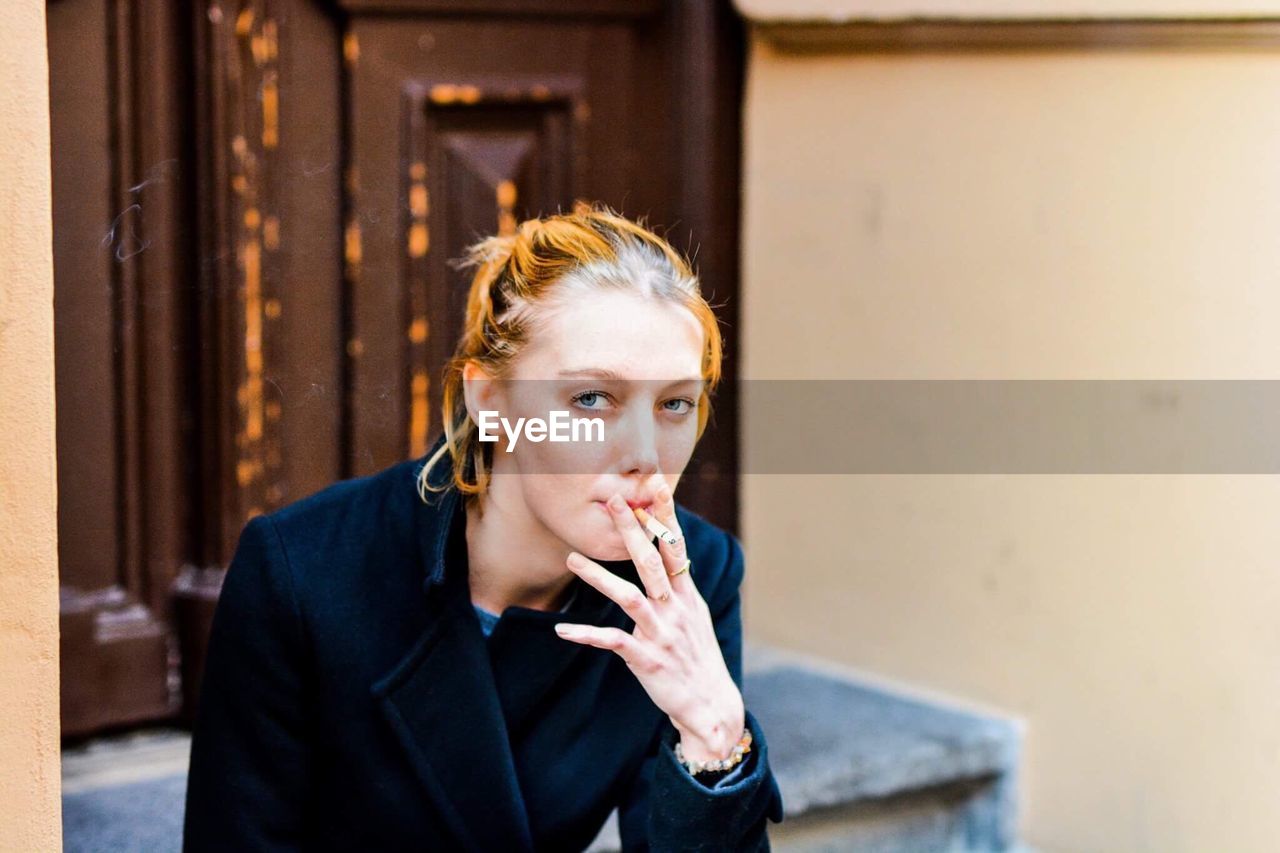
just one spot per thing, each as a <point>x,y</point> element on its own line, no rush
<point>646,505</point>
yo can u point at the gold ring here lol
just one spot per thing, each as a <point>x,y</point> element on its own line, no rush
<point>682,569</point>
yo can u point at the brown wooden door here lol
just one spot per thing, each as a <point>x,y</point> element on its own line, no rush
<point>122,281</point>
<point>286,181</point>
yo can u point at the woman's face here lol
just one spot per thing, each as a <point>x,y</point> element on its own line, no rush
<point>630,361</point>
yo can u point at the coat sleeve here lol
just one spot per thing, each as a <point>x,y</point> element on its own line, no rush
<point>666,808</point>
<point>246,784</point>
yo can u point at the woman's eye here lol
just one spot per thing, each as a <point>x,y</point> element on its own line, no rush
<point>680,402</point>
<point>588,399</point>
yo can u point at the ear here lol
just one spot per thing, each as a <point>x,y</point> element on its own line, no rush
<point>478,389</point>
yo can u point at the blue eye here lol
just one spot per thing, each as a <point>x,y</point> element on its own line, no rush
<point>586,398</point>
<point>681,401</point>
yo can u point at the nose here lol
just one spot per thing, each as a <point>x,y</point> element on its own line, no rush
<point>638,445</point>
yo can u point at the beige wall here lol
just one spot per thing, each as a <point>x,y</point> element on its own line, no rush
<point>1033,215</point>
<point>30,811</point>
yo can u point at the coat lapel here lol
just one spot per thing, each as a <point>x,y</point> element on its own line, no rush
<point>442,702</point>
<point>443,699</point>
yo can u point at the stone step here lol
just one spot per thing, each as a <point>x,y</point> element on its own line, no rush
<point>862,767</point>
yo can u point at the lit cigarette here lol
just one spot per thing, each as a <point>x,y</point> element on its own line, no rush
<point>657,528</point>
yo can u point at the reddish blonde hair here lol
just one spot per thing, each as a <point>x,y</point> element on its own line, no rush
<point>554,257</point>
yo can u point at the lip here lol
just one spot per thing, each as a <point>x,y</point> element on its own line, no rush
<point>640,504</point>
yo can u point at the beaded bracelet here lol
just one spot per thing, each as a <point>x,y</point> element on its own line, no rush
<point>740,749</point>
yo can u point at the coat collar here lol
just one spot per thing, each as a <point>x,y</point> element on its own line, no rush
<point>458,700</point>
<point>437,515</point>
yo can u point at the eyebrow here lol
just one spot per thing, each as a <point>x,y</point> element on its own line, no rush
<point>617,377</point>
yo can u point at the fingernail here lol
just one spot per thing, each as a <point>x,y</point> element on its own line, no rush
<point>617,503</point>
<point>664,493</point>
<point>563,629</point>
<point>574,560</point>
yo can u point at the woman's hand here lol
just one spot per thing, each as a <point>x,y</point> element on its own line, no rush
<point>673,651</point>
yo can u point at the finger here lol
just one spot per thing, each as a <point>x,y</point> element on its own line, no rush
<point>626,594</point>
<point>649,562</point>
<point>664,510</point>
<point>616,640</point>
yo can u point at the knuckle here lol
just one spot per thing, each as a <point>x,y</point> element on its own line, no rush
<point>632,599</point>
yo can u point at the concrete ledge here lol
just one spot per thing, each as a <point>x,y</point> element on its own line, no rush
<point>866,766</point>
<point>861,765</point>
<point>835,742</point>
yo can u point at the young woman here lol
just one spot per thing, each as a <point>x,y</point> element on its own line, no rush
<point>484,649</point>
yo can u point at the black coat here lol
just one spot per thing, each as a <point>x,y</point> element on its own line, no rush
<point>351,702</point>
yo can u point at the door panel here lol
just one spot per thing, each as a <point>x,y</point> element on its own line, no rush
<point>495,120</point>
<point>119,265</point>
<point>485,162</point>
